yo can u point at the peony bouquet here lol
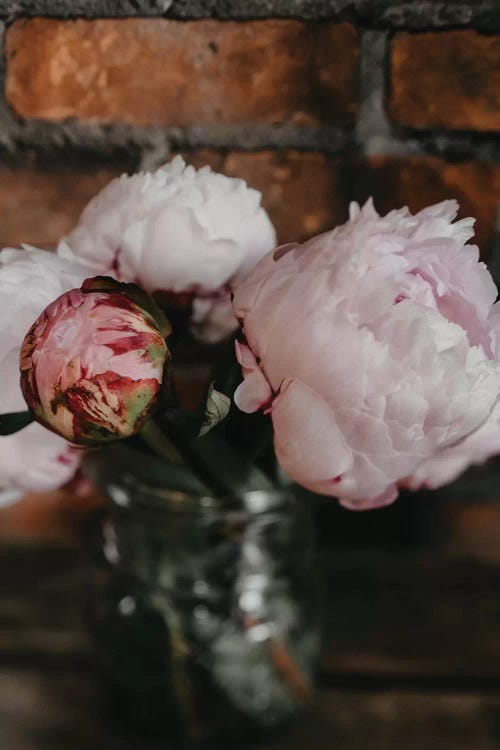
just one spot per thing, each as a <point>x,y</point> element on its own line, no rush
<point>370,354</point>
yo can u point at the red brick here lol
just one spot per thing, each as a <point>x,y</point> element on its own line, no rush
<point>446,80</point>
<point>304,192</point>
<point>39,207</point>
<point>163,72</point>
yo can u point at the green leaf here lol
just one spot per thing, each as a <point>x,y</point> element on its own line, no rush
<point>187,422</point>
<point>15,421</point>
<point>216,409</point>
<point>201,420</point>
<point>133,292</point>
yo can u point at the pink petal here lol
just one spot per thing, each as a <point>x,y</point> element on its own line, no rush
<point>254,393</point>
<point>309,445</point>
<point>245,356</point>
<point>380,501</point>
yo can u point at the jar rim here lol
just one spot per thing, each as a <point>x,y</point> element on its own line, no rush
<point>168,500</point>
<point>128,493</point>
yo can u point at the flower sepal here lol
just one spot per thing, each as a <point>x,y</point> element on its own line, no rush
<point>15,421</point>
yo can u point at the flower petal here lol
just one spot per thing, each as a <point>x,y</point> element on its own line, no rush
<point>253,393</point>
<point>309,445</point>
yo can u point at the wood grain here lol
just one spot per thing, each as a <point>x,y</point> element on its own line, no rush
<point>46,710</point>
<point>422,614</point>
<point>412,656</point>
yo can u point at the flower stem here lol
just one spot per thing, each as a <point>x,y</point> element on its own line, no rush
<point>170,443</point>
<point>159,443</point>
<point>192,457</point>
<point>180,653</point>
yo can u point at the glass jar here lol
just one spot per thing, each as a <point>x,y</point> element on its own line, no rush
<point>203,610</point>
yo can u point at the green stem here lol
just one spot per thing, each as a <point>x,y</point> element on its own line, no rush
<point>171,444</point>
<point>151,434</point>
<point>181,683</point>
<point>192,458</point>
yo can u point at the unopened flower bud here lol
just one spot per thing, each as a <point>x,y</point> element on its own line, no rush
<point>92,365</point>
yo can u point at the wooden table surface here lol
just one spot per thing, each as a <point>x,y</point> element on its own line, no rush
<point>411,662</point>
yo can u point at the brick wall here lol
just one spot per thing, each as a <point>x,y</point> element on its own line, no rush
<point>314,102</point>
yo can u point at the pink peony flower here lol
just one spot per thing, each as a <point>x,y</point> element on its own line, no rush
<point>373,347</point>
<point>447,464</point>
<point>176,230</point>
<point>92,365</point>
<point>32,459</point>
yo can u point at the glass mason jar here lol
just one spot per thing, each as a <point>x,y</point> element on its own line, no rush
<point>203,610</point>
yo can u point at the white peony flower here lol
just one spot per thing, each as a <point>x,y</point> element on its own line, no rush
<point>33,459</point>
<point>176,230</point>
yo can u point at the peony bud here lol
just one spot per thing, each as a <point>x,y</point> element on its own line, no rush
<point>92,365</point>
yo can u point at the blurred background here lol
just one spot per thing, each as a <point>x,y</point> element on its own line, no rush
<point>315,103</point>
